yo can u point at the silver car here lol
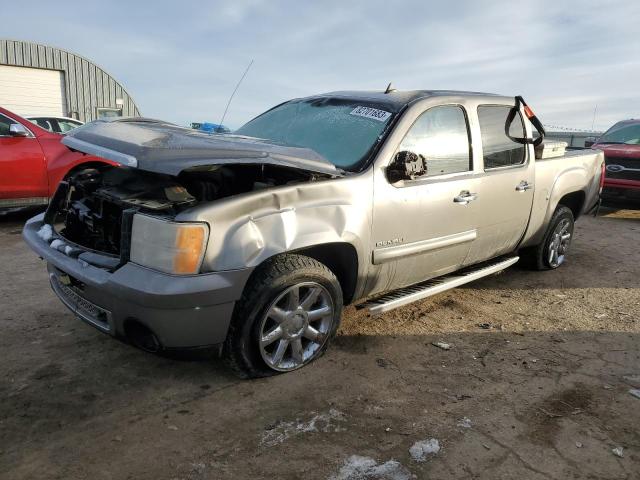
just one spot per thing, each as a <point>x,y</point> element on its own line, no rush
<point>253,242</point>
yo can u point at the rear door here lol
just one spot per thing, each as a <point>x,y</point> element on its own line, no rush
<point>419,228</point>
<point>22,167</point>
<point>506,185</point>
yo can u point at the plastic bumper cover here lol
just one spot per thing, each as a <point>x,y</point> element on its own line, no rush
<point>183,311</point>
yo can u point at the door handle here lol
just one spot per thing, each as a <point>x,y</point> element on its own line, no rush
<point>523,186</point>
<point>465,197</point>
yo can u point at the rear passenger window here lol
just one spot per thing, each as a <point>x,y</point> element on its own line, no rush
<point>498,150</point>
<point>44,123</point>
<point>441,135</point>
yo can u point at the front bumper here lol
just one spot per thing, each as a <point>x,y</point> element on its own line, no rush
<point>182,311</point>
<point>621,189</point>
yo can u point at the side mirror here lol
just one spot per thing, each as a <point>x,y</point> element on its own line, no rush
<point>589,142</point>
<point>406,166</point>
<point>18,130</point>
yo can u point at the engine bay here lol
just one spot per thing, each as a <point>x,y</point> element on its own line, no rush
<point>93,208</point>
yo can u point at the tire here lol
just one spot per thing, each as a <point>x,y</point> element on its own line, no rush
<point>541,256</point>
<point>254,346</point>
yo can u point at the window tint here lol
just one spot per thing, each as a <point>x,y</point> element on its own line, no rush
<point>498,149</point>
<point>441,135</point>
<point>4,125</point>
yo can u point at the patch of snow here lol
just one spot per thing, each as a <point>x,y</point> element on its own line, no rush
<point>56,243</point>
<point>465,422</point>
<point>635,392</point>
<point>420,451</point>
<point>322,422</point>
<point>357,467</point>
<point>68,250</point>
<point>45,232</point>
<point>618,451</point>
<point>442,345</point>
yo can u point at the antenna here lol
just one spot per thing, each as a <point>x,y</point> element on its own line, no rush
<point>390,88</point>
<point>594,117</point>
<point>234,92</point>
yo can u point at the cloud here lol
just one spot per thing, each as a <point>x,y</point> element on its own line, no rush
<point>181,60</point>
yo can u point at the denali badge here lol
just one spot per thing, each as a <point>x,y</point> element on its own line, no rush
<point>386,243</point>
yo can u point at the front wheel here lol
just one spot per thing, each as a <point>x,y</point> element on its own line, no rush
<point>288,313</point>
<point>552,252</point>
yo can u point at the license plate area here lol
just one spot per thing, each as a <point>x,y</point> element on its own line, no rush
<point>70,291</point>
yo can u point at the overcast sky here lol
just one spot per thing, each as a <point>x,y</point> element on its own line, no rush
<point>180,60</point>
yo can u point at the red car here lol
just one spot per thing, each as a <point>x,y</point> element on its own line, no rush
<point>621,147</point>
<point>32,162</point>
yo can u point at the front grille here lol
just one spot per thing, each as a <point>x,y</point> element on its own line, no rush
<point>623,168</point>
<point>83,308</point>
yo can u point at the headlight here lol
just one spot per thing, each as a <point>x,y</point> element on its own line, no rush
<point>171,247</point>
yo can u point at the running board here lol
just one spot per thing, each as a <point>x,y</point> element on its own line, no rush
<point>419,291</point>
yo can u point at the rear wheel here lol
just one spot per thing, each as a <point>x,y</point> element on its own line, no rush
<point>552,251</point>
<point>288,314</point>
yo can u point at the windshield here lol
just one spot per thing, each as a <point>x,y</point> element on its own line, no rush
<point>345,132</point>
<point>622,133</point>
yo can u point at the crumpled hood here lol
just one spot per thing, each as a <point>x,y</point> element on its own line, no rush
<point>162,147</point>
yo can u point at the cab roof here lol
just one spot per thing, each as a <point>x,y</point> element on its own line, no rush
<point>396,100</point>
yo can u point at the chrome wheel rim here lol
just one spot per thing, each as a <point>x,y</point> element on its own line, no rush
<point>296,326</point>
<point>559,243</point>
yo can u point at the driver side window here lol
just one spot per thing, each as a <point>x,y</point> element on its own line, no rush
<point>441,135</point>
<point>5,123</point>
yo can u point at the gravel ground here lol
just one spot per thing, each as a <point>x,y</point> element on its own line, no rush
<point>535,385</point>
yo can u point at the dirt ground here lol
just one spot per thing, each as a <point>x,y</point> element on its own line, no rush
<point>539,391</point>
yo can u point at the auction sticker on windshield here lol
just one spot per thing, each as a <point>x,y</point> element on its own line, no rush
<point>372,113</point>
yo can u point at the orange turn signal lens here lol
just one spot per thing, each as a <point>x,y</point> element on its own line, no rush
<point>189,249</point>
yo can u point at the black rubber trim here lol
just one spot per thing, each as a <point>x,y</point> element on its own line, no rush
<point>535,121</point>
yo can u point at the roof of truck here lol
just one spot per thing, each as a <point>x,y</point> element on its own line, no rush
<point>397,99</point>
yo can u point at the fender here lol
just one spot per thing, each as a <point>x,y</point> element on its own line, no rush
<point>247,229</point>
<point>568,181</point>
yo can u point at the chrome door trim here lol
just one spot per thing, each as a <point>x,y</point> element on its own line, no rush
<point>395,252</point>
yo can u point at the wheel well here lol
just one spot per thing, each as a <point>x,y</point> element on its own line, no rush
<point>82,166</point>
<point>341,259</point>
<point>574,201</point>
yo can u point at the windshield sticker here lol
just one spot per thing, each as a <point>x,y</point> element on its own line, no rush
<point>372,113</point>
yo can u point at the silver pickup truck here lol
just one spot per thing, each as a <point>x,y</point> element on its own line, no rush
<point>253,242</point>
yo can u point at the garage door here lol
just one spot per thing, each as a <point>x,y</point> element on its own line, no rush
<point>32,91</point>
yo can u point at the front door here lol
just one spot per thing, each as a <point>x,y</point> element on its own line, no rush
<point>22,165</point>
<point>423,228</point>
<point>506,186</point>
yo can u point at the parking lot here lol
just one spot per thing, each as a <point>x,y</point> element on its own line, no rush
<point>535,385</point>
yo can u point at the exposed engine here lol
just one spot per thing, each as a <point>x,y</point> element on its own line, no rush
<point>94,207</point>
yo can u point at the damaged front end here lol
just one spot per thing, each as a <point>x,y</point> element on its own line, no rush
<point>107,216</point>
